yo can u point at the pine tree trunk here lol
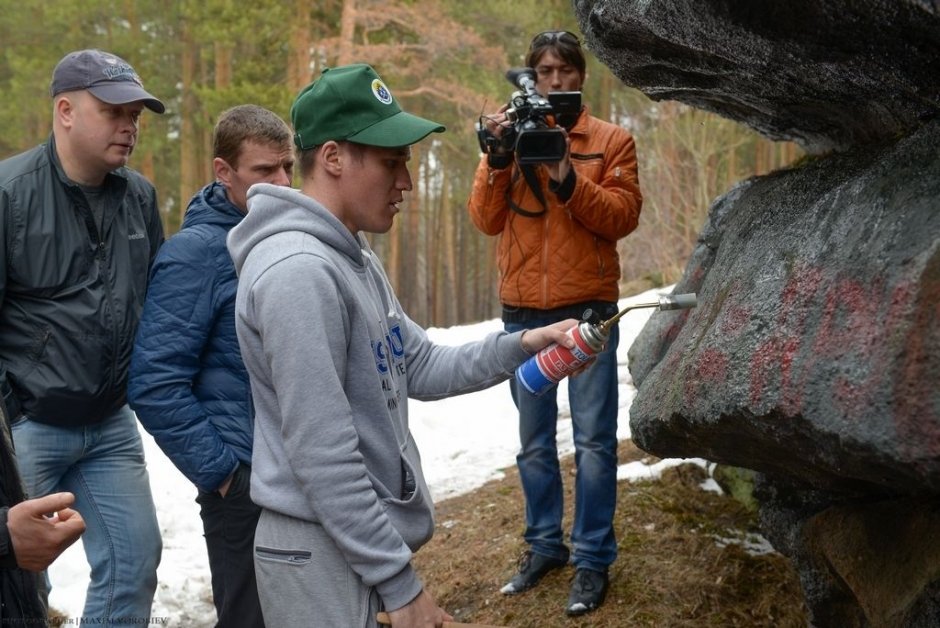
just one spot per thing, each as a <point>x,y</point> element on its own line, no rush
<point>189,152</point>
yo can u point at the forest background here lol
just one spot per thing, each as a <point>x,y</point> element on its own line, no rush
<point>442,59</point>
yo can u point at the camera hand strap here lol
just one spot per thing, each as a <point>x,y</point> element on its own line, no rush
<point>528,171</point>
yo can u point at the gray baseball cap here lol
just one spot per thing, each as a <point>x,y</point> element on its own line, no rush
<point>108,77</point>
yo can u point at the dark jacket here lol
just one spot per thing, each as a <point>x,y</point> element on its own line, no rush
<point>70,297</point>
<point>188,384</point>
<point>20,603</point>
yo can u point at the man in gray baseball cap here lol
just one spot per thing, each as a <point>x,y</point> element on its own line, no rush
<point>87,228</point>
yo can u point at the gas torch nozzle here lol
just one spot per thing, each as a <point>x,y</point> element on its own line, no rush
<point>670,302</point>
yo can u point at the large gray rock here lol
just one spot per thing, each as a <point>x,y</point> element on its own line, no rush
<point>814,351</point>
<point>827,74</point>
<point>813,357</point>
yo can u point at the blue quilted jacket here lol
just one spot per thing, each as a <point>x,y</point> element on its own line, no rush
<point>188,384</point>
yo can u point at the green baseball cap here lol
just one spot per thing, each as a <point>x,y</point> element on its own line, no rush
<point>352,103</point>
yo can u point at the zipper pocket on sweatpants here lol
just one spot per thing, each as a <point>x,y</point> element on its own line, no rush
<point>294,557</point>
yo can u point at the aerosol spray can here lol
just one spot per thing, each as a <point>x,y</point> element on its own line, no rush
<point>550,365</point>
<point>553,363</point>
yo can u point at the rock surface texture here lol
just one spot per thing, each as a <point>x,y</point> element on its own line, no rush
<point>829,75</point>
<point>813,357</point>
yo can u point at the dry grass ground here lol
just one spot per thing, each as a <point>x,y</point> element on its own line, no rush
<point>671,570</point>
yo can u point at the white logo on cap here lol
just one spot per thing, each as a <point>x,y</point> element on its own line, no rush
<point>380,91</point>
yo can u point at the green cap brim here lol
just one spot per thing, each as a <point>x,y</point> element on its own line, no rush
<point>401,129</point>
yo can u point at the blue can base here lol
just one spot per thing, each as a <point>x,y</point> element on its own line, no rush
<point>532,378</point>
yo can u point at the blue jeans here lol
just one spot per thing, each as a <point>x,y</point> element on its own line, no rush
<point>103,465</point>
<point>594,406</point>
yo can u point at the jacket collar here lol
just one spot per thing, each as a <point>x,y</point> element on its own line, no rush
<point>115,177</point>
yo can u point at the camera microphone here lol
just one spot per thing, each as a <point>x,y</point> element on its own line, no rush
<point>523,78</point>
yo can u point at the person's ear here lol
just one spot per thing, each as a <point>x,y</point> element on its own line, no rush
<point>331,157</point>
<point>223,171</point>
<point>64,110</point>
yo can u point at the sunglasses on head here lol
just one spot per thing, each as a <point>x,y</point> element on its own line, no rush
<point>550,37</point>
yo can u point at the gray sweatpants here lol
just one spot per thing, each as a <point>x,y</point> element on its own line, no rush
<point>304,580</point>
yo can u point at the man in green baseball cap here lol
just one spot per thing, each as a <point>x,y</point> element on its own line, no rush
<point>333,358</point>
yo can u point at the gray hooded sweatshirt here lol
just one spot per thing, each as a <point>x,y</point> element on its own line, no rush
<point>332,359</point>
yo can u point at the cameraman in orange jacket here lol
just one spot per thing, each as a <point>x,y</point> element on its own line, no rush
<point>558,224</point>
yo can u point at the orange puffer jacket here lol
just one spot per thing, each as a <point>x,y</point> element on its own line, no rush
<point>568,253</point>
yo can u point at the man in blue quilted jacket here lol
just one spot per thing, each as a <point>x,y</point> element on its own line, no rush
<point>188,384</point>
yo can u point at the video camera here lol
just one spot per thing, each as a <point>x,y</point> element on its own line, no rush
<point>532,137</point>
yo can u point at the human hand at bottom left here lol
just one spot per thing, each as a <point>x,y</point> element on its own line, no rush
<point>42,528</point>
